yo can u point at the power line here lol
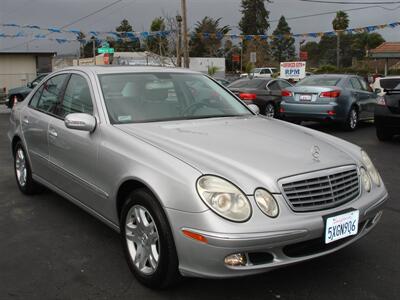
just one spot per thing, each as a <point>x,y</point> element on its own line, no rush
<point>350,3</point>
<point>334,12</point>
<point>67,25</point>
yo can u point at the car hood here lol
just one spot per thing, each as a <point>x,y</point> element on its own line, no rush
<point>249,151</point>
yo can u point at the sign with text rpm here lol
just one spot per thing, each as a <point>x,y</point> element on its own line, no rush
<point>293,70</point>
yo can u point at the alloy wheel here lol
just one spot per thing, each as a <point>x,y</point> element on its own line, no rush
<point>270,111</point>
<point>20,167</point>
<point>353,119</point>
<point>142,239</point>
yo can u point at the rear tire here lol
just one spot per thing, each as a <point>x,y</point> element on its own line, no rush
<point>23,172</point>
<point>352,120</point>
<point>148,242</point>
<point>383,134</point>
<point>270,110</point>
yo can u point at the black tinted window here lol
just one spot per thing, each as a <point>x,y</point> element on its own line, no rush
<point>51,92</point>
<point>248,83</point>
<point>274,86</point>
<point>77,97</point>
<point>355,84</point>
<point>390,83</point>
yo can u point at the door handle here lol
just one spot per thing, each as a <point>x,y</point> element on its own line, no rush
<point>53,133</point>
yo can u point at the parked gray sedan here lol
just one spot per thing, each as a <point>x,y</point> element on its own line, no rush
<point>197,185</point>
<point>341,98</point>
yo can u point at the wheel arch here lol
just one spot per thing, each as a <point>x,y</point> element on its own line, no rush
<point>126,187</point>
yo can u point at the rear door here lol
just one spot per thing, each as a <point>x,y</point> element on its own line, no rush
<point>362,99</point>
<point>36,118</point>
<point>370,98</point>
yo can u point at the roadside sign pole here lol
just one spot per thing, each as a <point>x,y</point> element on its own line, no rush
<point>94,51</point>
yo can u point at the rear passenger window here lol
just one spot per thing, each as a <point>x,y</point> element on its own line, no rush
<point>51,92</point>
<point>77,98</point>
<point>355,84</point>
<point>274,86</point>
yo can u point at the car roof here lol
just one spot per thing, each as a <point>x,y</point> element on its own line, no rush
<point>113,69</point>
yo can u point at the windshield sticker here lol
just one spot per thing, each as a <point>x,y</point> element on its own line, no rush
<point>124,118</point>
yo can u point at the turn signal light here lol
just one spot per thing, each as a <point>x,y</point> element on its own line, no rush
<point>247,96</point>
<point>330,94</point>
<point>286,93</point>
<point>195,236</point>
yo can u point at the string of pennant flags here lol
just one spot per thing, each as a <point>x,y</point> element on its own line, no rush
<point>134,35</point>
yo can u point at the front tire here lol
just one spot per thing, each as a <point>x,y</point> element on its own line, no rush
<point>383,134</point>
<point>23,172</point>
<point>147,241</point>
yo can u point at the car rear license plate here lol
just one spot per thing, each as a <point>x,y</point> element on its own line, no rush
<point>305,97</point>
<point>341,226</point>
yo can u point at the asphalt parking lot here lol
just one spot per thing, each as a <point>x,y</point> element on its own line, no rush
<point>50,249</point>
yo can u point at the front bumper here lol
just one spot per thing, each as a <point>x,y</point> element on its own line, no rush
<point>291,238</point>
<point>313,111</point>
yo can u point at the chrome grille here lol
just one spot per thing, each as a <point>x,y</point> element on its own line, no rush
<point>321,190</point>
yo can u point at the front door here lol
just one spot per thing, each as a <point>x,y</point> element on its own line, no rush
<point>73,153</point>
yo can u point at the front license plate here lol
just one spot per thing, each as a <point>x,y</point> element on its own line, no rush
<point>341,226</point>
<point>305,97</point>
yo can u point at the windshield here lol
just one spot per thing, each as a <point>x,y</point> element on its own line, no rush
<point>248,83</point>
<point>319,81</point>
<point>149,97</point>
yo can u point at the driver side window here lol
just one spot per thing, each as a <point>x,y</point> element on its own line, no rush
<point>49,94</point>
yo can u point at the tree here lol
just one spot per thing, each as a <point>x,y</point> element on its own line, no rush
<point>254,17</point>
<point>340,23</point>
<point>209,46</point>
<point>157,44</point>
<point>363,42</point>
<point>127,44</point>
<point>282,45</point>
<point>254,21</point>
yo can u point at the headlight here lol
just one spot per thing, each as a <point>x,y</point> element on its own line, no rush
<point>267,203</point>
<point>366,180</point>
<point>370,168</point>
<point>224,198</point>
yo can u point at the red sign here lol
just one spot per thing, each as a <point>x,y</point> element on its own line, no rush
<point>303,55</point>
<point>235,57</point>
<point>106,58</point>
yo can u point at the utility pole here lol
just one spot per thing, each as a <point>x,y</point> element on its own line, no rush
<point>185,35</point>
<point>338,33</point>
<point>179,42</point>
<point>94,50</point>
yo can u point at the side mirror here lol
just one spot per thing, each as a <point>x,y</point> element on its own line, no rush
<point>377,91</point>
<point>80,121</point>
<point>254,108</point>
<point>29,85</point>
<point>33,84</point>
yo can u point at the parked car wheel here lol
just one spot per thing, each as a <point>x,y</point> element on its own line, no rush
<point>352,120</point>
<point>270,110</point>
<point>23,172</point>
<point>147,241</point>
<point>383,134</point>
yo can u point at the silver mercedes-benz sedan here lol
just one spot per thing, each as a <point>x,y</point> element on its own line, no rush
<point>196,183</point>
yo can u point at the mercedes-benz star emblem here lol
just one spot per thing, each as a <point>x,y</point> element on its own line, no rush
<point>315,151</point>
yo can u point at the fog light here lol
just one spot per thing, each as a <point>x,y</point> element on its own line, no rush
<point>235,260</point>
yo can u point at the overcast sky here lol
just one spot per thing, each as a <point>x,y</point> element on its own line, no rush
<point>57,13</point>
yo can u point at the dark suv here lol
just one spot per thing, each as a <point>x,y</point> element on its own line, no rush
<point>387,115</point>
<point>19,93</point>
